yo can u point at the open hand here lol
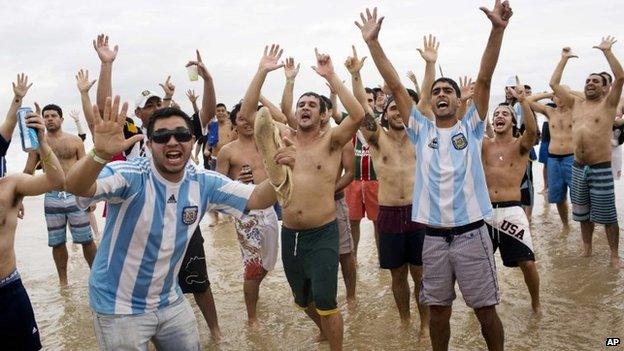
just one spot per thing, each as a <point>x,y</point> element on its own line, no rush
<point>108,136</point>
<point>429,52</point>
<point>606,44</point>
<point>21,87</point>
<point>290,70</point>
<point>270,58</point>
<point>353,64</point>
<point>370,26</point>
<point>82,81</point>
<point>500,14</point>
<point>324,66</point>
<point>104,52</point>
<point>190,94</point>
<point>518,91</point>
<point>466,88</point>
<point>74,114</point>
<point>412,77</point>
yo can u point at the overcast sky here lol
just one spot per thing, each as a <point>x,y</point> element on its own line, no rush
<point>51,41</point>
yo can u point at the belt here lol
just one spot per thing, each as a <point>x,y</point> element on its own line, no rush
<point>501,204</point>
<point>339,196</point>
<point>559,156</point>
<point>449,233</point>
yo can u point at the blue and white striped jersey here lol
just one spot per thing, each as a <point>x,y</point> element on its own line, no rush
<point>148,226</point>
<point>449,184</point>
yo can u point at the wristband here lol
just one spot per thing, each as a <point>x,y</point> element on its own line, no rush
<point>290,80</point>
<point>97,158</point>
<point>166,99</point>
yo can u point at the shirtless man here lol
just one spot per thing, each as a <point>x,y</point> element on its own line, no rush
<point>257,233</point>
<point>18,328</point>
<point>560,150</point>
<point>592,193</point>
<point>60,206</point>
<point>400,239</point>
<point>310,233</point>
<point>504,160</point>
<point>450,195</point>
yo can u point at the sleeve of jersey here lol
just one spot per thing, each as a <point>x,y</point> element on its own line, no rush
<point>474,123</point>
<point>113,185</point>
<point>4,146</point>
<point>228,196</point>
<point>415,124</point>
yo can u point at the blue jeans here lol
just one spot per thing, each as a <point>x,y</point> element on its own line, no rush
<point>171,328</point>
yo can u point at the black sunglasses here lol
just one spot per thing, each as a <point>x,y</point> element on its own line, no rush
<point>162,136</point>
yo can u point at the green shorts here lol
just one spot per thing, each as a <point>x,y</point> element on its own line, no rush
<point>310,260</point>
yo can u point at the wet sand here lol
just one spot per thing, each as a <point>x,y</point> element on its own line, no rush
<point>582,299</point>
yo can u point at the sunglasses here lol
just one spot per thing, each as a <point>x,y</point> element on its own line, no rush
<point>163,136</point>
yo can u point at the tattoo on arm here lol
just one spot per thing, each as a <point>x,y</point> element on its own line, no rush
<point>369,122</point>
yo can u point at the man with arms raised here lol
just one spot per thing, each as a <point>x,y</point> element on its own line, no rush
<point>154,204</point>
<point>504,161</point>
<point>310,232</point>
<point>259,231</point>
<point>60,206</point>
<point>450,195</point>
<point>400,239</point>
<point>592,193</point>
<point>18,328</point>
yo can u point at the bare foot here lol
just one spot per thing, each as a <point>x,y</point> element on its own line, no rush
<point>587,251</point>
<point>216,335</point>
<point>616,262</point>
<point>423,334</point>
<point>537,309</point>
<point>406,323</point>
<point>321,337</point>
<point>351,304</point>
<point>253,323</point>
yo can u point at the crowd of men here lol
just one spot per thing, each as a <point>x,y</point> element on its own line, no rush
<point>444,186</point>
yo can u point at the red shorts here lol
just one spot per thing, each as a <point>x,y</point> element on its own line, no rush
<point>362,198</point>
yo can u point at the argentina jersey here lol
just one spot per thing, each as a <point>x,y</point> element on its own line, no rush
<point>449,184</point>
<point>148,226</point>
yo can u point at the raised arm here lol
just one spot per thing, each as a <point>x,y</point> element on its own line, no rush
<point>276,113</point>
<point>169,89</point>
<point>429,53</point>
<point>75,115</point>
<point>499,16</point>
<point>108,140</point>
<point>466,90</point>
<point>268,63</point>
<point>412,77</point>
<point>560,91</point>
<point>348,163</point>
<point>209,97</point>
<point>84,85</point>
<point>527,140</point>
<point>539,107</point>
<point>19,91</point>
<point>105,82</point>
<point>369,127</point>
<point>290,71</point>
<point>613,98</point>
<point>345,130</point>
<point>370,28</point>
<point>53,176</point>
<point>190,94</point>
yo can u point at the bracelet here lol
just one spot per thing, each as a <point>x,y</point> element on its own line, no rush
<point>290,80</point>
<point>97,158</point>
<point>166,99</point>
<point>46,159</point>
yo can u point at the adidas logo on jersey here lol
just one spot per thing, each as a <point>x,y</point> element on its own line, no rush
<point>172,200</point>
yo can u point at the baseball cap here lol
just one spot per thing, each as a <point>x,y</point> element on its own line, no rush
<point>142,99</point>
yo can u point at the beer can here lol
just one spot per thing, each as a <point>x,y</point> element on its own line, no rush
<point>247,170</point>
<point>30,141</point>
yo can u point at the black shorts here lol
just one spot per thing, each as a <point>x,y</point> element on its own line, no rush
<point>512,250</point>
<point>400,239</point>
<point>18,328</point>
<point>526,189</point>
<point>193,276</point>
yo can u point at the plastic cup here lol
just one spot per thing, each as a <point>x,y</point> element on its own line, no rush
<point>193,74</point>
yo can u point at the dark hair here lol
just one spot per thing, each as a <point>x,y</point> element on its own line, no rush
<point>52,107</point>
<point>413,95</point>
<point>370,91</point>
<point>167,112</point>
<point>221,105</point>
<point>515,130</point>
<point>551,104</point>
<point>376,92</point>
<point>451,82</point>
<point>604,80</point>
<point>322,105</point>
<point>607,76</point>
<point>328,102</point>
<point>234,112</point>
<point>384,118</point>
<point>527,87</point>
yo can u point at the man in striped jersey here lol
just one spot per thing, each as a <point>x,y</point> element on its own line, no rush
<point>450,194</point>
<point>154,204</point>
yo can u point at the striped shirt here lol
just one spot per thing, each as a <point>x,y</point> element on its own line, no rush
<point>364,169</point>
<point>4,146</point>
<point>149,224</point>
<point>449,184</point>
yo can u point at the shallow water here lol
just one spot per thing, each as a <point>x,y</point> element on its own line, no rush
<point>582,299</point>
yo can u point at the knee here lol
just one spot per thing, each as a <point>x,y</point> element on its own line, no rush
<point>486,315</point>
<point>439,315</point>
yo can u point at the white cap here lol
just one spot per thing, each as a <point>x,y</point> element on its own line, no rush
<point>142,99</point>
<point>511,81</point>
